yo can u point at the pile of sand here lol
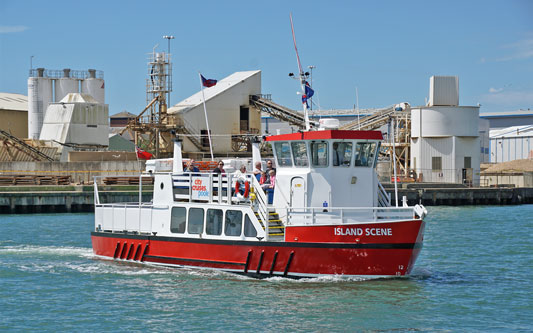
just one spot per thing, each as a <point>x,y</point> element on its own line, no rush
<point>525,165</point>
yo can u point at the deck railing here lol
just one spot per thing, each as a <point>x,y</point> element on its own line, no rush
<point>347,215</point>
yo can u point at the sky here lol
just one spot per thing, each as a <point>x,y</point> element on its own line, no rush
<point>386,50</point>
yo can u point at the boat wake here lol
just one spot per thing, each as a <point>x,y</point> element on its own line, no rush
<point>84,252</point>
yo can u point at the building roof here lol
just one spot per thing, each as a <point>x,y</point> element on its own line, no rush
<point>503,114</point>
<point>221,86</point>
<point>512,132</point>
<point>15,102</point>
<point>124,114</point>
<point>327,134</point>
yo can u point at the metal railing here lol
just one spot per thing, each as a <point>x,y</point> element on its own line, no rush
<point>383,197</point>
<point>348,215</point>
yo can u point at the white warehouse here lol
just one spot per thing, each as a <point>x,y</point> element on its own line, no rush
<point>445,144</point>
<point>228,111</point>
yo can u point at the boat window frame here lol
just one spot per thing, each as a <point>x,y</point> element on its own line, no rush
<point>248,222</point>
<point>326,154</point>
<point>304,144</point>
<point>370,153</point>
<point>281,160</point>
<point>176,208</point>
<point>208,222</point>
<point>240,227</point>
<point>189,221</point>
<point>347,162</point>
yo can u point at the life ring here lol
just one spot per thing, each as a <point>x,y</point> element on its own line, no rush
<point>246,188</point>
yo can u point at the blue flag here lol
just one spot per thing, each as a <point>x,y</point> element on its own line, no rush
<point>308,93</point>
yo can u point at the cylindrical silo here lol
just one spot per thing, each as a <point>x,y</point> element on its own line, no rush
<point>39,96</point>
<point>94,87</point>
<point>65,85</point>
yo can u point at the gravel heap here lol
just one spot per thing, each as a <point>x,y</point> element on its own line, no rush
<point>525,165</point>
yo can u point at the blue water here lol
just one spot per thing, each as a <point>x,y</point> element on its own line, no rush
<point>474,274</point>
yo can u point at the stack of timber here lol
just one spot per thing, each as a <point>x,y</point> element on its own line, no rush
<point>34,180</point>
<point>128,180</point>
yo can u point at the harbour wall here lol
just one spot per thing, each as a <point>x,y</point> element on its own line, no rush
<point>57,199</point>
<point>80,172</point>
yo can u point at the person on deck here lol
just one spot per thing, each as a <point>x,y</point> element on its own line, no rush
<point>191,167</point>
<point>258,170</point>
<point>219,168</point>
<point>269,167</point>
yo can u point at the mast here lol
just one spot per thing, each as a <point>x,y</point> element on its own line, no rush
<point>303,79</point>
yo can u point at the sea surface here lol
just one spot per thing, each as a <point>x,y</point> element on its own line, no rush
<point>475,273</point>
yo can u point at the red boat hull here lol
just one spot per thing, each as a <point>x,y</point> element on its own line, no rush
<point>349,250</point>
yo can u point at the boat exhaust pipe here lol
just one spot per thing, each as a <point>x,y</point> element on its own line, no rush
<point>177,162</point>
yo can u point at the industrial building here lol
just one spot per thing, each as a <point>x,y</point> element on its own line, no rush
<point>227,105</point>
<point>78,121</point>
<point>47,86</point>
<point>445,144</point>
<point>14,114</point>
<point>511,143</point>
<point>506,119</point>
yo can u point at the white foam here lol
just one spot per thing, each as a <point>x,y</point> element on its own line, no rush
<point>84,252</point>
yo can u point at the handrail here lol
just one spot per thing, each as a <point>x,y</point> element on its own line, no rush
<point>310,215</point>
<point>262,202</point>
<point>383,197</point>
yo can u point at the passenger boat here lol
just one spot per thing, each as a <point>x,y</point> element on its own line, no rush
<point>329,216</point>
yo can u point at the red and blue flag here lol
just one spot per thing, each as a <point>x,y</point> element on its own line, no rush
<point>208,82</point>
<point>308,93</point>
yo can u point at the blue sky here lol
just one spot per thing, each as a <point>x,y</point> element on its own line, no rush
<point>387,49</point>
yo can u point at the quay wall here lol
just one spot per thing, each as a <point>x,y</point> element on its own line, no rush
<point>80,172</point>
<point>55,199</point>
<point>463,196</point>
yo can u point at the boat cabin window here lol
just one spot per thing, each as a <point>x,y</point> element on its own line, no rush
<point>319,154</point>
<point>249,229</point>
<point>213,225</point>
<point>178,218</point>
<point>196,221</point>
<point>299,151</point>
<point>342,154</point>
<point>283,154</point>
<point>365,153</point>
<point>233,221</point>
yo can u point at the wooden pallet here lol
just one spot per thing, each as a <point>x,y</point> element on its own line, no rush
<point>127,180</point>
<point>8,180</point>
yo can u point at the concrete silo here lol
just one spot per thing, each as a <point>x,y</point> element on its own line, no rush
<point>40,94</point>
<point>66,85</point>
<point>94,85</point>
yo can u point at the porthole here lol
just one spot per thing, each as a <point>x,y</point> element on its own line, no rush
<point>162,185</point>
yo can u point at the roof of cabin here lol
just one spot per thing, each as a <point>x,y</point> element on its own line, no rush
<point>327,134</point>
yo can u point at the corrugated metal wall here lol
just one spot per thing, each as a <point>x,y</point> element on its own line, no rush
<point>512,148</point>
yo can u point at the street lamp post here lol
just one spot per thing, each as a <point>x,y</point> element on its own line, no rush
<point>169,37</point>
